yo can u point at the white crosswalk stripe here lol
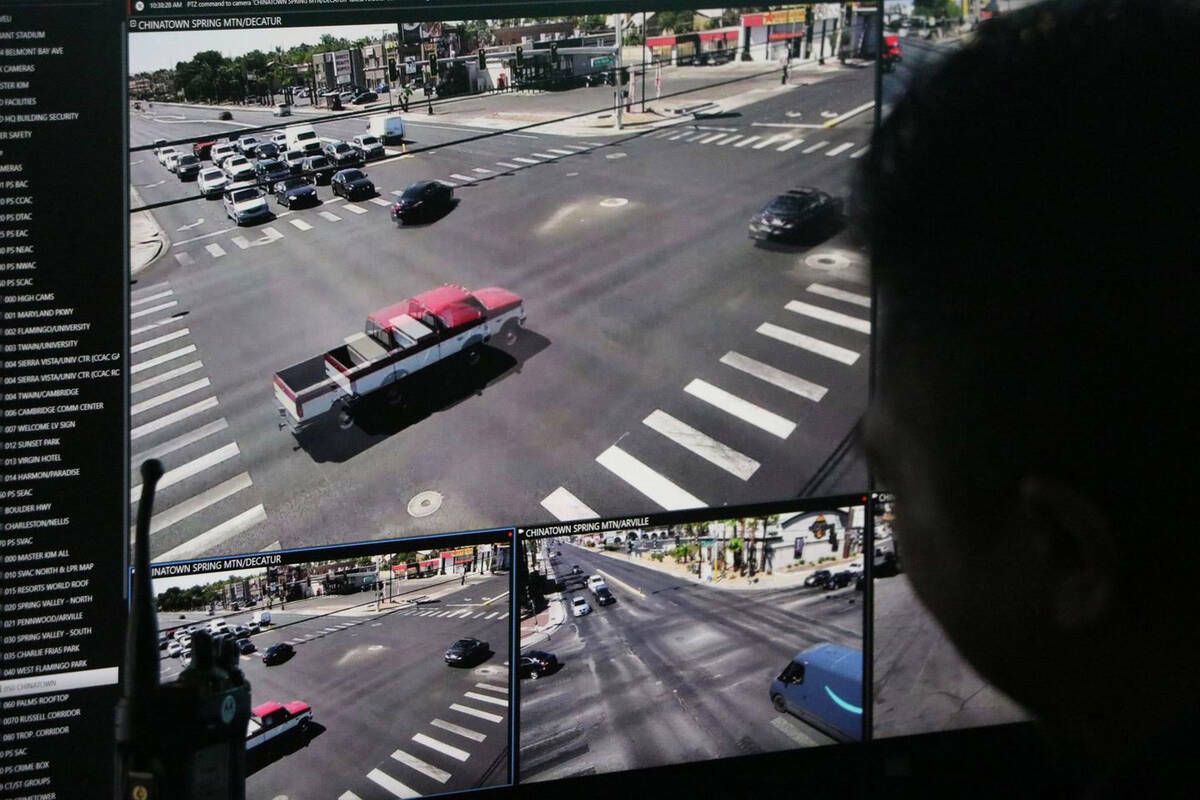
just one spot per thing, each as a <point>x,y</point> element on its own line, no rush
<point>809,343</point>
<point>483,171</point>
<point>702,444</point>
<point>180,442</point>
<point>566,506</point>
<point>141,301</point>
<point>329,215</point>
<point>560,152</point>
<point>678,136</point>
<point>164,358</point>
<point>142,291</point>
<point>426,769</point>
<point>184,259</point>
<point>742,409</point>
<point>300,224</point>
<point>487,698</point>
<point>199,502</point>
<point>156,341</point>
<point>172,418</point>
<point>217,536</point>
<point>215,250</point>
<point>476,712</point>
<point>394,786</point>
<point>466,733</point>
<point>576,147</point>
<point>777,377</point>
<point>859,153</point>
<point>193,467</point>
<point>522,160</point>
<point>353,209</point>
<point>463,178</point>
<point>171,320</point>
<point>747,140</point>
<point>770,140</point>
<point>167,397</point>
<point>379,201</point>
<point>142,386</point>
<point>841,148</point>
<point>145,312</point>
<point>491,687</point>
<point>789,145</point>
<point>729,139</point>
<point>697,137</point>
<point>839,294</point>
<point>457,753</point>
<point>543,155</point>
<point>650,483</point>
<point>506,165</point>
<point>347,795</point>
<point>826,315</point>
<point>814,148</point>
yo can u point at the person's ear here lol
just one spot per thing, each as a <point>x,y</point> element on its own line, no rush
<point>1073,539</point>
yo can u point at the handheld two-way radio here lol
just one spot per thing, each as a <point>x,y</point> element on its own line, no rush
<point>184,740</point>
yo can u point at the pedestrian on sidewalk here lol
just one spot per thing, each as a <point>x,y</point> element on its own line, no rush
<point>783,77</point>
<point>463,582</point>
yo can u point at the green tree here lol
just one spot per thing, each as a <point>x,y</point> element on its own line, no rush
<point>675,21</point>
<point>939,9</point>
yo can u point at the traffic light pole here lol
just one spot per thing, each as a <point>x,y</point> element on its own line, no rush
<point>617,74</point>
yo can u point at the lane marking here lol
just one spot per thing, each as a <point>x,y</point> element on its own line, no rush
<point>181,441</point>
<point>216,536</point>
<point>712,138</point>
<point>379,201</point>
<point>145,312</point>
<point>770,140</point>
<point>475,712</point>
<point>841,148</point>
<point>215,250</point>
<point>329,216</point>
<point>193,467</point>
<point>808,343</point>
<point>697,136</point>
<point>747,141</point>
<point>859,153</point>
<point>487,698</point>
<point>576,147</point>
<point>300,224</point>
<point>439,775</point>
<point>543,155</point>
<point>347,795</point>
<point>826,315</point>
<point>142,301</point>
<point>154,362</point>
<point>641,477</point>
<point>679,136</point>
<point>729,139</point>
<point>466,733</point>
<point>192,505</point>
<point>492,687</point>
<point>446,183</point>
<point>394,786</point>
<point>172,418</point>
<point>744,410</point>
<point>184,259</point>
<point>456,753</point>
<point>566,506</point>
<point>560,152</point>
<point>526,160</point>
<point>463,178</point>
<point>489,616</point>
<point>354,209</point>
<point>814,148</point>
<point>789,145</point>
<point>702,444</point>
<point>610,578</point>
<point>483,171</point>
<point>144,290</point>
<point>202,236</point>
<point>776,377</point>
<point>141,386</point>
<point>156,324</point>
<point>839,294</point>
<point>166,397</point>
<point>155,342</point>
<point>506,165</point>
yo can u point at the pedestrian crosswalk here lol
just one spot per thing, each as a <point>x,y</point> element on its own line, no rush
<point>428,760</point>
<point>759,142</point>
<point>205,497</point>
<point>722,416</point>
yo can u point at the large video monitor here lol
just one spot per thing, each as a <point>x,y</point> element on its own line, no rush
<point>505,375</point>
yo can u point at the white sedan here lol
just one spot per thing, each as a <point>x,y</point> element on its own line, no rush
<point>212,182</point>
<point>246,205</point>
<point>162,153</point>
<point>174,649</point>
<point>579,606</point>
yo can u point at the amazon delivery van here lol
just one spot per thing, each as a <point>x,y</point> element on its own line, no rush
<point>823,686</point>
<point>387,128</point>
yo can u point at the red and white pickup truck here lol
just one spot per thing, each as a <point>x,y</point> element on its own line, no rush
<point>272,720</point>
<point>399,340</point>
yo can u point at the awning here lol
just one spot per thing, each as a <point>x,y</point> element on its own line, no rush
<point>710,36</point>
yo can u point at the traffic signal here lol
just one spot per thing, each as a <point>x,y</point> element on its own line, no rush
<point>433,66</point>
<point>554,51</point>
<point>520,56</point>
<point>392,74</point>
<point>482,59</point>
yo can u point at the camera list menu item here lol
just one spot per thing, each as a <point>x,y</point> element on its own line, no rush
<point>63,287</point>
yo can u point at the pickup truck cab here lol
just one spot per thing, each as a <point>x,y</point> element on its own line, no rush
<point>397,341</point>
<point>273,720</point>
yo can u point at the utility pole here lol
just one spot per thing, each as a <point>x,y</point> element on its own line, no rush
<point>643,62</point>
<point>617,94</point>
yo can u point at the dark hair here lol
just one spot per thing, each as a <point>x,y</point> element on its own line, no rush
<point>1030,207</point>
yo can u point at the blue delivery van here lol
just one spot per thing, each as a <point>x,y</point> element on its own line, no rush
<point>823,686</point>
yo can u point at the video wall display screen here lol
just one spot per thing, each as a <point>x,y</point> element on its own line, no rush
<point>655,641</point>
<point>396,276</point>
<point>921,684</point>
<point>375,671</point>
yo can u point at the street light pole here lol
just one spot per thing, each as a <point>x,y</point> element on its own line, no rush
<point>617,94</point>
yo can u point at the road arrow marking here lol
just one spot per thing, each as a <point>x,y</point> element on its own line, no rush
<point>828,114</point>
<point>195,224</point>
<point>793,114</point>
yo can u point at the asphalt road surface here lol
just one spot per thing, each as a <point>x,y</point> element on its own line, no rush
<point>673,672</point>
<point>668,361</point>
<point>922,684</point>
<point>391,718</point>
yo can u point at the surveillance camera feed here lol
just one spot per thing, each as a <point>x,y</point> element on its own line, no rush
<point>396,277</point>
<point>646,644</point>
<point>375,672</point>
<point>921,683</point>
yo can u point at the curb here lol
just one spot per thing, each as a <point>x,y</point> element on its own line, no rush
<point>157,236</point>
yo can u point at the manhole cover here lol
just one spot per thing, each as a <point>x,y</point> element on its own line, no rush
<point>425,503</point>
<point>830,259</point>
<point>488,670</point>
<point>614,202</point>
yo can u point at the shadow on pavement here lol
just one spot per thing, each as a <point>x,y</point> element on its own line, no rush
<point>271,751</point>
<point>436,388</point>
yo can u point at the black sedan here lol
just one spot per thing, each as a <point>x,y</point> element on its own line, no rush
<point>839,580</point>
<point>352,184</point>
<point>319,169</point>
<point>270,170</point>
<point>278,653</point>
<point>536,663</point>
<point>187,168</point>
<point>364,97</point>
<point>295,192</point>
<point>245,646</point>
<point>267,150</point>
<point>797,214</point>
<point>465,651</point>
<point>818,578</point>
<point>422,199</point>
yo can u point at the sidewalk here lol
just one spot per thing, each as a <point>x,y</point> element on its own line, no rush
<point>147,239</point>
<point>783,579</point>
<point>539,627</point>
